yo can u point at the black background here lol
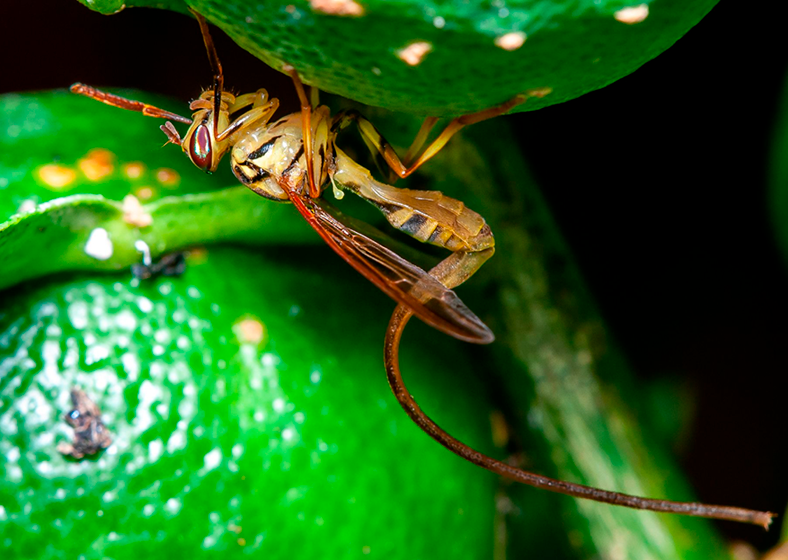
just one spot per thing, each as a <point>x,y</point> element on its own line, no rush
<point>658,182</point>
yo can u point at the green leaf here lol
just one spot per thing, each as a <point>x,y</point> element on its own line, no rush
<point>568,47</point>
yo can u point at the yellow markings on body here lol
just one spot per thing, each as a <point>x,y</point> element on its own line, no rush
<point>241,541</point>
<point>414,53</point>
<point>145,193</point>
<point>97,164</point>
<point>337,7</point>
<point>632,14</point>
<point>133,169</point>
<point>249,330</point>
<point>511,41</point>
<point>169,178</point>
<point>134,214</point>
<point>56,176</point>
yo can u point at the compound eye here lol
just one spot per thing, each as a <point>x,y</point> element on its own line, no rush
<point>200,148</point>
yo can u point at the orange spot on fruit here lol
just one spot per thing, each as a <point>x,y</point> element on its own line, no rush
<point>249,330</point>
<point>145,193</point>
<point>168,177</point>
<point>197,255</point>
<point>133,169</point>
<point>97,164</point>
<point>56,176</point>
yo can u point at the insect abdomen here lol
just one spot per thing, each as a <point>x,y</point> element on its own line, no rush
<point>429,216</point>
<point>457,228</point>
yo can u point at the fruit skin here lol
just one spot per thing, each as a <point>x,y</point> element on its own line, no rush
<point>292,445</point>
<point>570,47</point>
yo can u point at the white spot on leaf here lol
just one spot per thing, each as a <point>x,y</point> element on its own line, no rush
<point>99,245</point>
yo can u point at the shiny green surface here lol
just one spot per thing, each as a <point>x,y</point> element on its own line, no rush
<point>290,447</point>
<point>60,128</point>
<point>570,46</point>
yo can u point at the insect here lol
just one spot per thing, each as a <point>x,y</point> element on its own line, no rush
<point>295,158</point>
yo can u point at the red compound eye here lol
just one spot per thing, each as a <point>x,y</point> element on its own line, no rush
<point>200,148</point>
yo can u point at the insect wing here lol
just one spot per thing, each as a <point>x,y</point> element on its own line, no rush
<point>401,280</point>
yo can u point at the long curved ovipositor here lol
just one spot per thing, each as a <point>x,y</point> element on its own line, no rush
<point>391,350</point>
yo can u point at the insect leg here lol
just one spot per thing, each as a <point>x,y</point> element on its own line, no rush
<point>306,124</point>
<point>377,143</point>
<point>252,116</point>
<point>216,66</point>
<point>260,97</point>
<point>128,104</point>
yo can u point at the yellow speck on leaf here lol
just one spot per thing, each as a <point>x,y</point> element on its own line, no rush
<point>197,255</point>
<point>500,428</point>
<point>97,164</point>
<point>414,53</point>
<point>133,169</point>
<point>134,214</point>
<point>168,177</point>
<point>539,92</point>
<point>145,193</point>
<point>249,330</point>
<point>511,41</point>
<point>337,7</point>
<point>56,176</point>
<point>632,14</point>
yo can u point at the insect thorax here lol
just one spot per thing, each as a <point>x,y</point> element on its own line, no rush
<point>269,155</point>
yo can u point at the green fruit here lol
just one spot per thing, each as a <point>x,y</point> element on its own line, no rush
<point>277,436</point>
<point>449,58</point>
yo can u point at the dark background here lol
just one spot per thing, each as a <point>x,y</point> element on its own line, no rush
<point>658,182</point>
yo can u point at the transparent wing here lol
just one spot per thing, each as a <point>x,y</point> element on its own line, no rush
<point>401,280</point>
